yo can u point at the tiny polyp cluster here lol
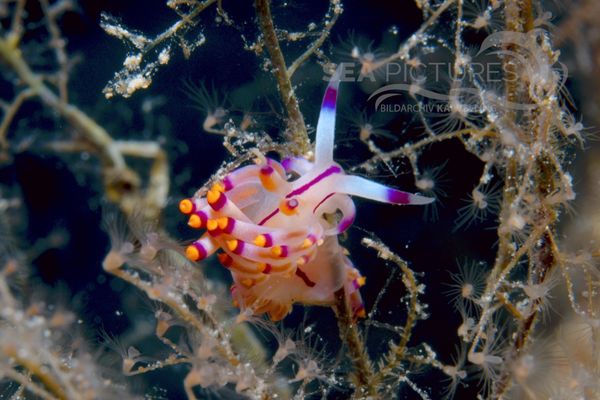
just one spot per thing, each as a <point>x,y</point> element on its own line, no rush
<point>277,226</point>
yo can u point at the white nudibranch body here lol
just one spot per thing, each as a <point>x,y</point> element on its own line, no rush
<point>276,224</point>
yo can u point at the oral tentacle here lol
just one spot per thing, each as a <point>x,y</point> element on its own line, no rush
<point>367,189</point>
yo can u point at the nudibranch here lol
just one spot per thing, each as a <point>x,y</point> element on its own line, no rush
<point>277,225</point>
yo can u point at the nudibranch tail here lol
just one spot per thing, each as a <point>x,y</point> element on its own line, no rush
<point>324,140</point>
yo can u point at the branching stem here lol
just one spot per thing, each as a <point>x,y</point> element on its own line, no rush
<point>296,129</point>
<point>363,371</point>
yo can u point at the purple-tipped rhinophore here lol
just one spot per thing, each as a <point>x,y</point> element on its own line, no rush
<point>326,123</point>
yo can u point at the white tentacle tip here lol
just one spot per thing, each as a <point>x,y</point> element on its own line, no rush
<point>418,200</point>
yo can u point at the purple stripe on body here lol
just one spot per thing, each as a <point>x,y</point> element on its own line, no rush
<point>334,169</point>
<point>397,196</point>
<point>268,217</point>
<point>322,201</point>
<point>329,98</point>
<point>305,278</point>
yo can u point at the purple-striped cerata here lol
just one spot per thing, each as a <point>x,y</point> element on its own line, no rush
<point>276,224</point>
